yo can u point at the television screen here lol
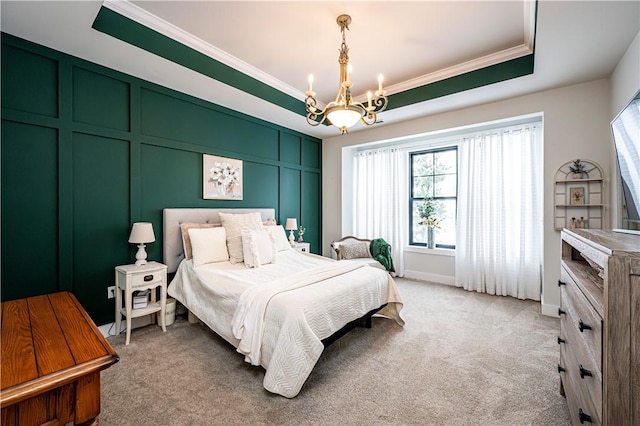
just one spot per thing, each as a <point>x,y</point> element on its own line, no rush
<point>626,136</point>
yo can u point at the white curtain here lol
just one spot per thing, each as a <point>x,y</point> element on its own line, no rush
<point>380,204</point>
<point>499,224</point>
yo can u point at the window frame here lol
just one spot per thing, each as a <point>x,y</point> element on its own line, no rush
<point>413,199</point>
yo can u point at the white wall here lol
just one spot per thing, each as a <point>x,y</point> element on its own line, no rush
<point>576,125</point>
<point>625,82</point>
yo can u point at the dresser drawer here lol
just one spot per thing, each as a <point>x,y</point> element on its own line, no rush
<point>580,319</point>
<point>581,393</point>
<point>584,373</point>
<point>142,281</point>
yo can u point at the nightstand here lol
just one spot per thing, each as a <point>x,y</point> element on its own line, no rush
<point>302,247</point>
<point>130,278</point>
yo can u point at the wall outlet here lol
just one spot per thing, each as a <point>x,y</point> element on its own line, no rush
<point>111,292</point>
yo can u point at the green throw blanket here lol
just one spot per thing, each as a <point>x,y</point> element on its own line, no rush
<point>381,251</point>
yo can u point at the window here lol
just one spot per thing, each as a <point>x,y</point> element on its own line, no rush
<point>434,174</point>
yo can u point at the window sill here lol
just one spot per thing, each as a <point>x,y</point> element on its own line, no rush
<point>436,251</point>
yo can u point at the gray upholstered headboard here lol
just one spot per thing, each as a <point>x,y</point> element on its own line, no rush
<point>172,250</point>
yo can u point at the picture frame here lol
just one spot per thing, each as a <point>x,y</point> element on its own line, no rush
<point>576,196</point>
<point>221,178</point>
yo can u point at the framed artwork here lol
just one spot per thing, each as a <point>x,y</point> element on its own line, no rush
<point>221,178</point>
<point>576,196</point>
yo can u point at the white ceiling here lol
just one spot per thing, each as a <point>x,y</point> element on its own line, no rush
<point>282,42</point>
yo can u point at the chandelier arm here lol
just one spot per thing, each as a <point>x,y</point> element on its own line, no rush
<point>370,116</point>
<point>379,104</point>
<point>311,119</point>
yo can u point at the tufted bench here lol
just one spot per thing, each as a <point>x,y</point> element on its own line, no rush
<point>354,249</point>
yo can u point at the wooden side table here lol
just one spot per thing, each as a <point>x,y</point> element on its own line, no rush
<point>302,247</point>
<point>52,355</point>
<point>130,278</point>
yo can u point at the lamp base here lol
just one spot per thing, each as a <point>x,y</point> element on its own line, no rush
<point>292,239</point>
<point>141,255</point>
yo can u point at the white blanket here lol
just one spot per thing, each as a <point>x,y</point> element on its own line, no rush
<point>294,321</point>
<point>248,319</point>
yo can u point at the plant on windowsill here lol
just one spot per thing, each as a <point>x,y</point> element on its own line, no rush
<point>427,212</point>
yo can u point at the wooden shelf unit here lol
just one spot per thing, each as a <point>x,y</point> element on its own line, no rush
<point>591,209</point>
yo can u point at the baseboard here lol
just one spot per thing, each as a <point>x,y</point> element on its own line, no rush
<point>434,278</point>
<point>108,330</point>
<point>549,310</point>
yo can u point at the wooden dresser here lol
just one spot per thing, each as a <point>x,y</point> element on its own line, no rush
<point>600,326</point>
<point>52,355</point>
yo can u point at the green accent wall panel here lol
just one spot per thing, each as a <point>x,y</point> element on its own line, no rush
<point>178,119</point>
<point>168,178</point>
<point>311,156</point>
<point>29,82</point>
<point>260,185</point>
<point>198,123</point>
<point>290,148</point>
<point>100,216</point>
<point>311,208</point>
<point>290,193</point>
<point>100,100</point>
<point>29,210</point>
<point>118,150</point>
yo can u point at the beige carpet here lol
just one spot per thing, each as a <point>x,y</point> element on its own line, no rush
<point>462,358</point>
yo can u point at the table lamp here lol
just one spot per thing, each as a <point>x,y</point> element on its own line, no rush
<point>141,233</point>
<point>291,225</point>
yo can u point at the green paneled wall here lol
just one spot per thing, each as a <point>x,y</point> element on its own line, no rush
<point>87,151</point>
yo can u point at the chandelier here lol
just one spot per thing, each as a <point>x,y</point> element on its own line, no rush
<point>344,112</point>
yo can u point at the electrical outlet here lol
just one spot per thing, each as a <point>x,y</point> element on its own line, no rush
<point>111,292</point>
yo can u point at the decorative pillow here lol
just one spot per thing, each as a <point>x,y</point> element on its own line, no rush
<point>208,245</point>
<point>234,224</point>
<point>186,241</point>
<point>258,248</point>
<point>354,250</point>
<point>280,236</point>
<point>269,222</point>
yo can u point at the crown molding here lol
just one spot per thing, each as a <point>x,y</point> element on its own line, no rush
<point>149,20</point>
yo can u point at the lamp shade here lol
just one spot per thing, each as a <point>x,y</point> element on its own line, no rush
<point>142,233</point>
<point>344,117</point>
<point>292,224</point>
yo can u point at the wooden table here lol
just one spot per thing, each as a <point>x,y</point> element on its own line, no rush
<point>51,357</point>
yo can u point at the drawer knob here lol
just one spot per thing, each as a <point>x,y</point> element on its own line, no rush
<point>561,369</point>
<point>582,326</point>
<point>584,372</point>
<point>148,278</point>
<point>584,417</point>
<point>561,340</point>
<point>560,283</point>
<point>561,312</point>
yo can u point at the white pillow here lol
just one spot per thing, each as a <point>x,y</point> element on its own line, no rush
<point>258,248</point>
<point>280,236</point>
<point>208,245</point>
<point>234,223</point>
<point>186,241</point>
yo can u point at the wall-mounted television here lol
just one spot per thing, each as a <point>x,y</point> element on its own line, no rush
<point>626,137</point>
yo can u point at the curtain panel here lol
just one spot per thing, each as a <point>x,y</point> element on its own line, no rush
<point>380,205</point>
<point>499,219</point>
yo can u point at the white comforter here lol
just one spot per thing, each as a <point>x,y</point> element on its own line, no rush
<point>295,310</point>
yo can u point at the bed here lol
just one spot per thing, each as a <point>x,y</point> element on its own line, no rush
<point>280,314</point>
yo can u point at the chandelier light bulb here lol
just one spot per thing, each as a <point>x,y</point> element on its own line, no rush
<point>311,82</point>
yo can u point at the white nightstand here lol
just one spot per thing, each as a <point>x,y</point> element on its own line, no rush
<point>302,247</point>
<point>130,278</point>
